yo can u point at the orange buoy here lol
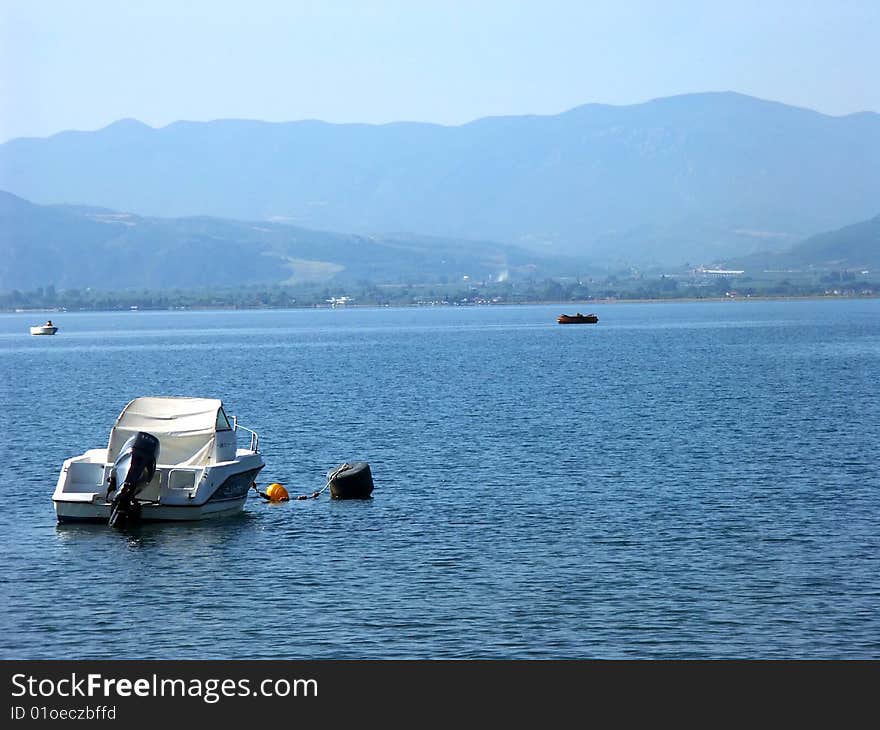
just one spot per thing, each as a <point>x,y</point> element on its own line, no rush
<point>276,492</point>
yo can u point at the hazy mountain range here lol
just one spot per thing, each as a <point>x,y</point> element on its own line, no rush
<point>79,246</point>
<point>76,247</point>
<point>689,178</point>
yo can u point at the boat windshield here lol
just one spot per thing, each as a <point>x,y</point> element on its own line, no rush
<point>222,421</point>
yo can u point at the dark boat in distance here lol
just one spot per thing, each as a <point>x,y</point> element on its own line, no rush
<point>577,318</point>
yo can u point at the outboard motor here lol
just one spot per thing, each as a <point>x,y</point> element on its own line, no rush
<point>132,470</point>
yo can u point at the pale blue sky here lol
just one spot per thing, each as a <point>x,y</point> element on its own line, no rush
<point>81,64</point>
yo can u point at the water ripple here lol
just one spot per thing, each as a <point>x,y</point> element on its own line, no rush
<point>680,481</point>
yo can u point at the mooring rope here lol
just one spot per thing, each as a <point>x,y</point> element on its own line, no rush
<point>331,475</point>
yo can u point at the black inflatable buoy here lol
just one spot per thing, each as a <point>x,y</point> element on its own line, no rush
<point>351,481</point>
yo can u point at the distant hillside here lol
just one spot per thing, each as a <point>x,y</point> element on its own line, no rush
<point>852,247</point>
<point>855,246</point>
<point>687,178</point>
<point>79,247</point>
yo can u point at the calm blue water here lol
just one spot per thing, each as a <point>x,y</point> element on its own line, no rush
<point>680,480</point>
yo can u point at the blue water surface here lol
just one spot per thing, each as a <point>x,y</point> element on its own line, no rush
<point>681,480</point>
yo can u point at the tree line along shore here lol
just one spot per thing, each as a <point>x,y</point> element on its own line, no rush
<point>547,291</point>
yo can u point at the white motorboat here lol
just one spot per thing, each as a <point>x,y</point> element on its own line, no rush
<point>44,329</point>
<point>168,458</point>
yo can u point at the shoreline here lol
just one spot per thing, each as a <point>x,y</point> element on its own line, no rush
<point>563,304</point>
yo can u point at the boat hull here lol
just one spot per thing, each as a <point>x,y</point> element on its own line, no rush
<point>43,330</point>
<point>227,499</point>
<point>100,512</point>
<point>577,319</point>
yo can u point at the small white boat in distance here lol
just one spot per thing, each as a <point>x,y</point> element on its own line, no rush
<point>168,458</point>
<point>44,329</point>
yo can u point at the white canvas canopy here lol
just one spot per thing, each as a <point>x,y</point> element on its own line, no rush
<point>185,427</point>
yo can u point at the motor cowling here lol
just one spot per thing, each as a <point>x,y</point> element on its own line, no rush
<point>133,469</point>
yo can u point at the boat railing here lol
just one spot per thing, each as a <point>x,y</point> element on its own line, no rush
<point>255,437</point>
